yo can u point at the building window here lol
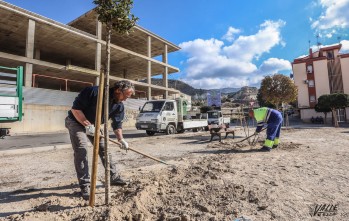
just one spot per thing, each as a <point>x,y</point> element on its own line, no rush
<point>330,55</point>
<point>309,68</point>
<point>311,83</point>
<point>312,98</point>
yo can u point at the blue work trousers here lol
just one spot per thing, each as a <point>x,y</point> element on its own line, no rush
<point>274,125</point>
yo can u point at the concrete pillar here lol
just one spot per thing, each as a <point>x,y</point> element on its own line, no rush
<point>165,74</point>
<point>149,69</point>
<point>68,62</point>
<point>29,53</point>
<point>98,50</point>
<point>96,81</point>
<point>37,54</point>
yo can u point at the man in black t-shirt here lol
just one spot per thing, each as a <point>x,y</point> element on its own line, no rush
<point>80,123</point>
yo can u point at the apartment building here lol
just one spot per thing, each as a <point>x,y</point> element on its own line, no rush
<point>324,71</point>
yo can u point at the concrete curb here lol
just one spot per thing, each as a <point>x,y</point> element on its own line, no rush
<point>33,150</point>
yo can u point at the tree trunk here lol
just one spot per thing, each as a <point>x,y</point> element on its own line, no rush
<point>106,116</point>
<point>334,115</point>
<point>325,117</point>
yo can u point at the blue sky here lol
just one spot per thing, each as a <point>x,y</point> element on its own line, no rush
<point>227,43</point>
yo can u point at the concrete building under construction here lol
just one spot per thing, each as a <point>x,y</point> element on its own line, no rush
<point>61,59</point>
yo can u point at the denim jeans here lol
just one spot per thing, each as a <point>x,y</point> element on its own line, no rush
<point>79,141</point>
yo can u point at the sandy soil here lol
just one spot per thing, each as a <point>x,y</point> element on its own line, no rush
<point>210,180</point>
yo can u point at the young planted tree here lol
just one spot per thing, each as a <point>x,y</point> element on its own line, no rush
<point>116,16</point>
<point>277,89</point>
<point>334,101</point>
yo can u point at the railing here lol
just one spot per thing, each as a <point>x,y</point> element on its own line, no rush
<point>66,81</point>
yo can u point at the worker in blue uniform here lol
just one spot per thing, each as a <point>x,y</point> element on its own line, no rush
<point>273,120</point>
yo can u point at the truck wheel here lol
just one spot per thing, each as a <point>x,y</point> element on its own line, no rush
<point>195,130</point>
<point>150,133</point>
<point>170,129</point>
<point>181,131</point>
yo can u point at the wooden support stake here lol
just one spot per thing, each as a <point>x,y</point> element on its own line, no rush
<point>96,140</point>
<point>106,117</point>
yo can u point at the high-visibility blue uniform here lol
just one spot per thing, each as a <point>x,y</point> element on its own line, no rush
<point>273,119</point>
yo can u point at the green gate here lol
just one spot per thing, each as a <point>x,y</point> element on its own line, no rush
<point>11,94</point>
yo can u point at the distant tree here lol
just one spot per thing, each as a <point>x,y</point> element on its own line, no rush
<point>262,102</point>
<point>278,89</point>
<point>323,109</point>
<point>334,101</point>
<point>205,109</point>
<point>225,99</point>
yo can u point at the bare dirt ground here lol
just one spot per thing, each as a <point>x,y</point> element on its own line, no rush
<point>211,180</point>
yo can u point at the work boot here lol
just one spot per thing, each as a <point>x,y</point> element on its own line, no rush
<point>85,192</point>
<point>275,146</point>
<point>265,149</point>
<point>117,181</point>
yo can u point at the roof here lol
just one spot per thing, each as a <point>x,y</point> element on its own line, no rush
<point>318,55</point>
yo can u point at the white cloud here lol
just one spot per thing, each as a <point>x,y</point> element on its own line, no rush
<point>274,65</point>
<point>211,64</point>
<point>335,15</point>
<point>345,46</point>
<point>247,48</point>
<point>229,36</point>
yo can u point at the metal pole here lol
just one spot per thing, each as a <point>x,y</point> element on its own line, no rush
<point>96,140</point>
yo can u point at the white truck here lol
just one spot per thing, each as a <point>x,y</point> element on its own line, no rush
<point>167,116</point>
<point>216,117</point>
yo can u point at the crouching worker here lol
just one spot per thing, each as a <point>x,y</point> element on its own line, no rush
<point>80,123</point>
<point>273,119</point>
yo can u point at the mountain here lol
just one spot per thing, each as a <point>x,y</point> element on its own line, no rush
<point>180,85</point>
<point>187,89</point>
<point>245,93</point>
<point>239,95</point>
<point>229,90</point>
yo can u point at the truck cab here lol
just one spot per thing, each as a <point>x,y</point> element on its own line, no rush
<point>166,116</point>
<point>216,117</point>
<point>156,116</point>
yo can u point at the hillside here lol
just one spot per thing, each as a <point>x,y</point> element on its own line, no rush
<point>187,89</point>
<point>179,85</point>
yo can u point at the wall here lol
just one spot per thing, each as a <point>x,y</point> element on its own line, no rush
<point>50,119</point>
<point>45,110</point>
<point>345,74</point>
<point>299,76</point>
<point>321,78</point>
<point>306,115</point>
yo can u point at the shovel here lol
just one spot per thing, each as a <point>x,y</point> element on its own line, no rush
<point>139,152</point>
<point>249,136</point>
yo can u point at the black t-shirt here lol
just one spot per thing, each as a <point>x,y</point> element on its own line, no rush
<point>86,101</point>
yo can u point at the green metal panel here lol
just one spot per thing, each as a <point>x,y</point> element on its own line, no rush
<point>19,93</point>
